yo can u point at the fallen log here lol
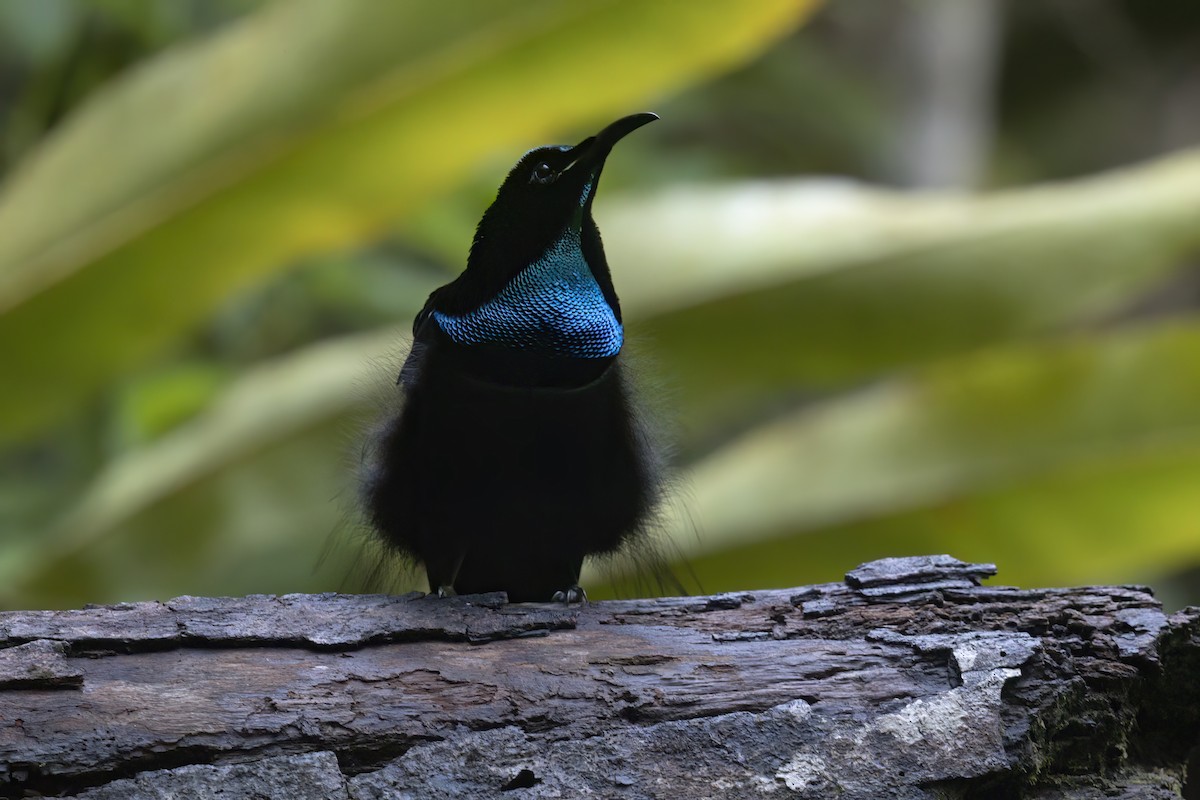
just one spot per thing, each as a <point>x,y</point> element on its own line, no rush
<point>909,680</point>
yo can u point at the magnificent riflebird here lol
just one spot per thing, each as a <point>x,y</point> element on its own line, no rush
<point>518,449</point>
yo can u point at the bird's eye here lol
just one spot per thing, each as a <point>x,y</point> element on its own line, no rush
<point>543,173</point>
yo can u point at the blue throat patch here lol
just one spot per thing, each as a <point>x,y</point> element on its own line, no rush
<point>553,306</point>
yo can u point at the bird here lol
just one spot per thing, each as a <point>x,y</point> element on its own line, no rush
<point>519,446</point>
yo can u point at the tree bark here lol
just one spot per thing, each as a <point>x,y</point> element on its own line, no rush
<point>909,680</point>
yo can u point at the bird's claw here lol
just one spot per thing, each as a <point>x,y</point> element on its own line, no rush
<point>574,594</point>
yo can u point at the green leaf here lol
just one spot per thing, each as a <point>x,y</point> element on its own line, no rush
<point>271,404</point>
<point>266,471</point>
<point>1124,519</point>
<point>258,525</point>
<point>308,126</point>
<point>1075,461</point>
<point>788,286</point>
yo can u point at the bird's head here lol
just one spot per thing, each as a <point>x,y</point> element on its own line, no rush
<point>547,194</point>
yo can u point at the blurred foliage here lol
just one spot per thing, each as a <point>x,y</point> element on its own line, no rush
<point>211,250</point>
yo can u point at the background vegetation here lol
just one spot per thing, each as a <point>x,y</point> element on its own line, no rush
<point>217,218</point>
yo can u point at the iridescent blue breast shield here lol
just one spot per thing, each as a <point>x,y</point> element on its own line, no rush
<point>553,306</point>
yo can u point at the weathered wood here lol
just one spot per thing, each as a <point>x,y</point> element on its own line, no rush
<point>37,663</point>
<point>908,681</point>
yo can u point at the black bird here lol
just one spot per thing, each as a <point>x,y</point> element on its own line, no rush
<point>518,450</point>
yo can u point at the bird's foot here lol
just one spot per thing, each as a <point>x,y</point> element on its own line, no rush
<point>446,590</point>
<point>574,594</point>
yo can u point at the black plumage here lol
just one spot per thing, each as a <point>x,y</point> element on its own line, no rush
<point>517,450</point>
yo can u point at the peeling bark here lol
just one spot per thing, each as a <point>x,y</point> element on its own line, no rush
<point>910,680</point>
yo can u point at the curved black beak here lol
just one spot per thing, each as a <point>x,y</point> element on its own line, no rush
<point>594,149</point>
